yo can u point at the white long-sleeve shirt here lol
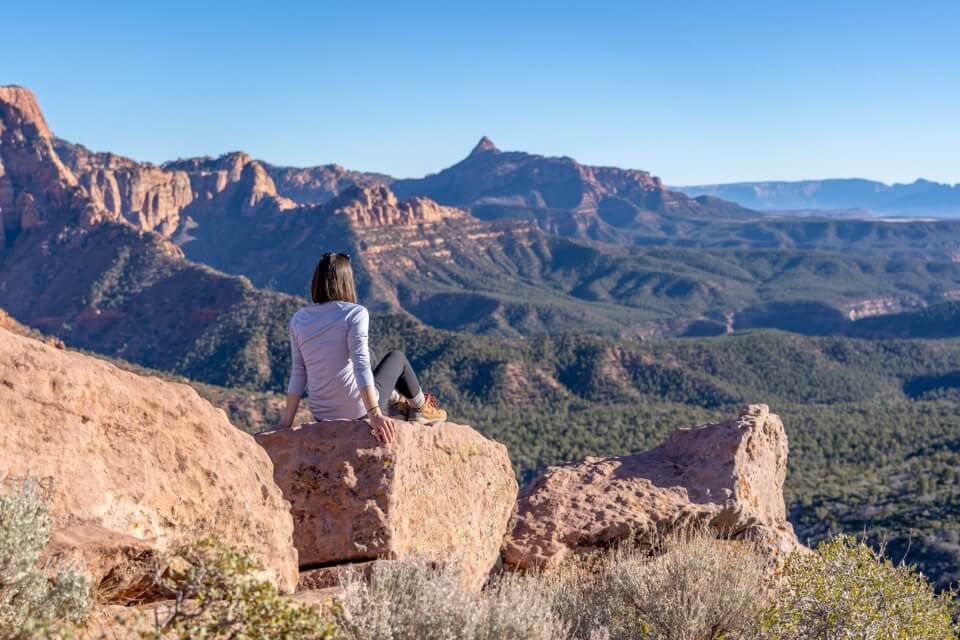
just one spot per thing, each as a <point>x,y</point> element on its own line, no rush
<point>331,359</point>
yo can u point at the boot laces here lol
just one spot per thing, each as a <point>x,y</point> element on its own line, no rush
<point>430,400</point>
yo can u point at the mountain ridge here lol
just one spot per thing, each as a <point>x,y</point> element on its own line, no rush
<point>692,275</point>
<point>562,195</point>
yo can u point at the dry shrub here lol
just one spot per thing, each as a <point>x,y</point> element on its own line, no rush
<point>696,588</point>
<point>413,600</point>
<point>33,605</point>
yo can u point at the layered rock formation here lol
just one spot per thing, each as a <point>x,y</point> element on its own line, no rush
<point>442,492</point>
<point>164,199</point>
<point>131,457</point>
<point>148,197</point>
<point>726,476</point>
<point>378,207</point>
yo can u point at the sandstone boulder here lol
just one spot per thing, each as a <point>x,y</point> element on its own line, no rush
<point>726,476</point>
<point>442,492</point>
<point>136,456</point>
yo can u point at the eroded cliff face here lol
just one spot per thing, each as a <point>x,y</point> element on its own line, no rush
<point>144,195</point>
<point>234,182</point>
<point>35,186</point>
<point>163,199</point>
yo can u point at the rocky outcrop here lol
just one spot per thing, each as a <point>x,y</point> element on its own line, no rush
<point>234,182</point>
<point>161,198</point>
<point>135,457</point>
<point>377,206</point>
<point>319,185</point>
<point>726,476</point>
<point>442,492</point>
<point>35,186</point>
<point>144,195</point>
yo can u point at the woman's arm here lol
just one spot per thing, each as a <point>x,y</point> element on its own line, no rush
<point>298,382</point>
<point>290,411</point>
<point>382,427</point>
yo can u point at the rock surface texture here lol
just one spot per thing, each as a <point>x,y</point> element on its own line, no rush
<point>726,476</point>
<point>443,492</point>
<point>135,456</point>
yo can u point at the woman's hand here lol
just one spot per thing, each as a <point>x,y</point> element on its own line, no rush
<point>383,428</point>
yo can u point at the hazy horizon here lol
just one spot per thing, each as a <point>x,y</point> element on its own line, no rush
<point>699,95</point>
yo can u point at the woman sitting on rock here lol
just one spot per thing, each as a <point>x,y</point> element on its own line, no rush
<point>331,360</point>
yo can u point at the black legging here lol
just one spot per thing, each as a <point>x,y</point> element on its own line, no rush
<point>394,372</point>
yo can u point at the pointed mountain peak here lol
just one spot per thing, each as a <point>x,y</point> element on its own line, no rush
<point>485,144</point>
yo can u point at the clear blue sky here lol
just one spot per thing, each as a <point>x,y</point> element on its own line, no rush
<point>695,92</point>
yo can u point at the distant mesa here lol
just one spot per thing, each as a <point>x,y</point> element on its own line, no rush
<point>857,196</point>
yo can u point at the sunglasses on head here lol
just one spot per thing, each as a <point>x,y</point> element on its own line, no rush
<point>328,256</point>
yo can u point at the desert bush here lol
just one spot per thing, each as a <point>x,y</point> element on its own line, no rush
<point>848,590</point>
<point>694,588</point>
<point>31,603</point>
<point>217,595</point>
<point>412,600</point>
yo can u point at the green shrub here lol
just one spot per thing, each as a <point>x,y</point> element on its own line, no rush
<point>848,590</point>
<point>31,604</point>
<point>217,596</point>
<point>411,600</point>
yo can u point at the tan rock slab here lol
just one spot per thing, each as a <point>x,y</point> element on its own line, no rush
<point>137,456</point>
<point>726,476</point>
<point>442,492</point>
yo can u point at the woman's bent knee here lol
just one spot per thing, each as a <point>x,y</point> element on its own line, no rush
<point>395,355</point>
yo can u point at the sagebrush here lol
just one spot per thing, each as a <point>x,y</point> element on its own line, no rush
<point>693,587</point>
<point>411,599</point>
<point>35,600</point>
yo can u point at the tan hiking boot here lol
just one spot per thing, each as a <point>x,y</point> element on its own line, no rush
<point>429,412</point>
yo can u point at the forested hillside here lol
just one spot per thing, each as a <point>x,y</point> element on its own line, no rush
<point>874,425</point>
